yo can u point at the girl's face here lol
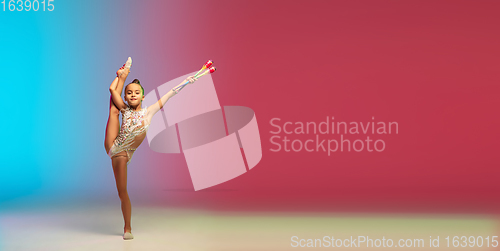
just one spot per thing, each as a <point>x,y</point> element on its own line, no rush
<point>133,94</point>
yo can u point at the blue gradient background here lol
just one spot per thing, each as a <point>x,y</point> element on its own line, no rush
<point>56,67</point>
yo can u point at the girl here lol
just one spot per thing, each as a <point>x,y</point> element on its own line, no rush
<point>120,144</point>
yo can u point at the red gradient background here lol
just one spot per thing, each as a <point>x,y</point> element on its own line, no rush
<point>431,66</point>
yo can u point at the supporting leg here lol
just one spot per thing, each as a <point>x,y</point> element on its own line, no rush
<point>120,170</point>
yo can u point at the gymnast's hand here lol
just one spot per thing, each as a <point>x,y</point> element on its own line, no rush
<point>122,71</point>
<point>190,79</point>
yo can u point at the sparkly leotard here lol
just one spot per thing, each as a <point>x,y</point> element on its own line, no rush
<point>132,132</point>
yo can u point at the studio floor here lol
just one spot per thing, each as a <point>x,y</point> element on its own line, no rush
<point>99,227</point>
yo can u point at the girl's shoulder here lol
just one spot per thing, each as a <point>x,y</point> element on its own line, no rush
<point>144,111</point>
<point>126,109</point>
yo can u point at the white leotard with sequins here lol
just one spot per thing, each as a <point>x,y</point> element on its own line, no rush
<point>132,132</point>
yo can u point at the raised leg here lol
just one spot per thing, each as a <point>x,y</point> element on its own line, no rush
<point>119,163</point>
<point>113,125</point>
<point>122,74</point>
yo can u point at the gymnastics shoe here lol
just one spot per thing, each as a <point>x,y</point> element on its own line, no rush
<point>128,64</point>
<point>128,236</point>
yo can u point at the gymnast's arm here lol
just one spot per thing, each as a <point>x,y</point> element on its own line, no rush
<point>152,110</point>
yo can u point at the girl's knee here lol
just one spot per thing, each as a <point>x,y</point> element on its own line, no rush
<point>123,194</point>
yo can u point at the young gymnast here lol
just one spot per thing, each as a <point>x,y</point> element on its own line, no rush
<point>120,143</point>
